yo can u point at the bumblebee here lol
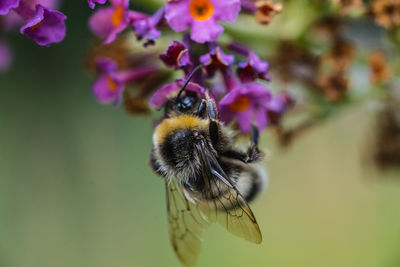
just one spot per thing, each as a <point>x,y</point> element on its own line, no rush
<point>207,178</point>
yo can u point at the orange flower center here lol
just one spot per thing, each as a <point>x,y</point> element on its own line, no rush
<point>112,85</point>
<point>240,104</point>
<point>37,25</point>
<point>117,16</point>
<point>201,9</point>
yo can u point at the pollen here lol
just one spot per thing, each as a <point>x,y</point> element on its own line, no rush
<point>117,16</point>
<point>112,85</point>
<point>201,9</point>
<point>240,104</point>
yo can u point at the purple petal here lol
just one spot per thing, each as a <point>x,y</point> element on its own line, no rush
<point>178,15</point>
<point>6,57</point>
<point>244,120</point>
<point>261,118</point>
<point>108,89</point>
<point>46,26</point>
<point>123,3</point>
<point>205,31</point>
<point>7,5</point>
<point>161,96</point>
<point>91,3</point>
<point>115,31</point>
<point>105,65</point>
<point>226,10</point>
<point>100,22</point>
<point>176,56</point>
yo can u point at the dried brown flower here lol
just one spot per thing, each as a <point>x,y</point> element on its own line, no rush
<point>348,5</point>
<point>387,149</point>
<point>334,85</point>
<point>380,70</point>
<point>341,54</point>
<point>266,10</point>
<point>386,13</point>
<point>294,62</point>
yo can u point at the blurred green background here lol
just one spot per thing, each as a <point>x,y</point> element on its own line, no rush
<point>76,190</point>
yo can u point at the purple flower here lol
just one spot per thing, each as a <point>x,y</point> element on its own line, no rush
<point>92,3</point>
<point>146,28</point>
<point>108,22</point>
<point>43,25</point>
<point>12,19</point>
<point>46,27</point>
<point>176,56</point>
<point>253,68</point>
<point>201,16</point>
<point>216,60</point>
<point>110,85</point>
<point>278,106</point>
<point>7,5</point>
<point>5,57</point>
<point>161,96</point>
<point>248,104</point>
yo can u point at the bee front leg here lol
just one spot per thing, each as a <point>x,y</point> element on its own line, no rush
<point>253,153</point>
<point>212,116</point>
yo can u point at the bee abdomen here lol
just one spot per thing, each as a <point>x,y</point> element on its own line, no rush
<point>250,180</point>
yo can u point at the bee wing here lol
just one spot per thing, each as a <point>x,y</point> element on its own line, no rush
<point>186,224</point>
<point>228,205</point>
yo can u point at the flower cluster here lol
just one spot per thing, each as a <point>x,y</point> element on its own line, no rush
<point>37,19</point>
<point>232,79</point>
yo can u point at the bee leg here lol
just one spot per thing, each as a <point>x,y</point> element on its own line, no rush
<point>253,151</point>
<point>155,165</point>
<point>213,126</point>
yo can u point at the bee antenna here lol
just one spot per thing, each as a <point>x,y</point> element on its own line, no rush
<point>187,81</point>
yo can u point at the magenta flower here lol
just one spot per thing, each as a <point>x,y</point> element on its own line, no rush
<point>92,3</point>
<point>5,57</point>
<point>43,25</point>
<point>110,85</point>
<point>108,22</point>
<point>146,28</point>
<point>176,56</point>
<point>201,16</point>
<point>216,60</point>
<point>12,19</point>
<point>7,5</point>
<point>278,106</point>
<point>247,103</point>
<point>253,68</point>
<point>161,96</point>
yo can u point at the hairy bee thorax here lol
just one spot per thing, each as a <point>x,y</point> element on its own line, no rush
<point>174,140</point>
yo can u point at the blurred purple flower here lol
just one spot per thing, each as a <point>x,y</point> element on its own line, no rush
<point>12,19</point>
<point>110,85</point>
<point>216,60</point>
<point>92,3</point>
<point>108,22</point>
<point>201,16</point>
<point>278,106</point>
<point>248,104</point>
<point>253,68</point>
<point>5,57</point>
<point>7,5</point>
<point>146,28</point>
<point>161,96</point>
<point>176,56</point>
<point>43,25</point>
